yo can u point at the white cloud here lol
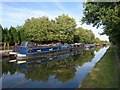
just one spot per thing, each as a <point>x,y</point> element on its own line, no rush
<point>16,15</point>
<point>20,14</point>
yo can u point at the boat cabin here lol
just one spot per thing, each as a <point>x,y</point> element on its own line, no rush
<point>31,48</point>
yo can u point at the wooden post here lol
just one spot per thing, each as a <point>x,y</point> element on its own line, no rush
<point>4,45</point>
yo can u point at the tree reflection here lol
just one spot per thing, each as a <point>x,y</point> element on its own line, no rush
<point>85,56</point>
<point>8,67</point>
<point>63,70</point>
<point>38,72</point>
<point>97,48</point>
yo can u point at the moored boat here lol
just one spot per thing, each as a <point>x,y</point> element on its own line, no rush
<point>29,50</point>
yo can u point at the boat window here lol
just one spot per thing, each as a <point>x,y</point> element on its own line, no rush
<point>50,49</point>
<point>30,44</point>
<point>23,43</point>
<point>39,50</point>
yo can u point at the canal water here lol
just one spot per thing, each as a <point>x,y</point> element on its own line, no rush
<point>62,71</point>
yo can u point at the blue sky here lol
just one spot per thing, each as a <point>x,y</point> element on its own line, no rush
<point>15,13</point>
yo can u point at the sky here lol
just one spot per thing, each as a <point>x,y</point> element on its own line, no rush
<point>15,13</point>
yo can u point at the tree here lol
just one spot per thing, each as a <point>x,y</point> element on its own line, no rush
<point>1,29</point>
<point>37,29</point>
<point>21,34</point>
<point>5,37</point>
<point>89,36</point>
<point>14,37</point>
<point>105,14</point>
<point>66,26</point>
<point>76,39</point>
<point>46,31</point>
<point>85,35</point>
<point>97,40</point>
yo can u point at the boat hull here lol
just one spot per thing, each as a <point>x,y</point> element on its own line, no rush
<point>42,54</point>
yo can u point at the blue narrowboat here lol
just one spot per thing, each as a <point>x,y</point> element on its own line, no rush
<point>29,49</point>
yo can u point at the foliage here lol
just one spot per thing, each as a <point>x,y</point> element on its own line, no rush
<point>84,35</point>
<point>97,40</point>
<point>14,37</point>
<point>21,34</point>
<point>5,35</point>
<point>8,67</point>
<point>1,33</point>
<point>37,29</point>
<point>105,14</point>
<point>66,26</point>
<point>10,36</point>
<point>43,30</point>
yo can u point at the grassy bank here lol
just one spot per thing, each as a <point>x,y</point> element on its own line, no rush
<point>104,74</point>
<point>118,57</point>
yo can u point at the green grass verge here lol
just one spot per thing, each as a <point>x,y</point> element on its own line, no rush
<point>118,54</point>
<point>104,74</point>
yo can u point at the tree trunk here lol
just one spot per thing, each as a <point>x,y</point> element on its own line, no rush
<point>8,46</point>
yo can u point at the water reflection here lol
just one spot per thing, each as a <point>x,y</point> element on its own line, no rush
<point>59,71</point>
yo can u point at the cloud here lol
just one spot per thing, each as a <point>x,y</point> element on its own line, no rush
<point>58,4</point>
<point>19,14</point>
<point>16,15</point>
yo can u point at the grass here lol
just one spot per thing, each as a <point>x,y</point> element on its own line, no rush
<point>104,74</point>
<point>118,55</point>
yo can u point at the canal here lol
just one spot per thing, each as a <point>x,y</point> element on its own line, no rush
<point>62,71</point>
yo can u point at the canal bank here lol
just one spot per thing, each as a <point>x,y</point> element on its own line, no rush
<point>117,53</point>
<point>104,74</point>
<point>119,67</point>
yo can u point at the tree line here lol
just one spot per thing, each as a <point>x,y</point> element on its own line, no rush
<point>43,30</point>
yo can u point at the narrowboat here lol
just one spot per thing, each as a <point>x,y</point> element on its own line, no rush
<point>77,46</point>
<point>89,45</point>
<point>29,50</point>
